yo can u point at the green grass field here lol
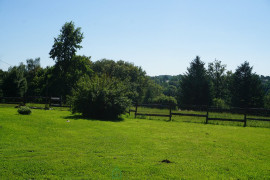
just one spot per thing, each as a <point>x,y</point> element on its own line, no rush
<point>55,144</point>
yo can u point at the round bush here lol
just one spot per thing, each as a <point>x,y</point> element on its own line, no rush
<point>219,103</point>
<point>166,100</point>
<point>100,97</point>
<point>24,110</point>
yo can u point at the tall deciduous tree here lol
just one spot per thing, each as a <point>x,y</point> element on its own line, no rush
<point>217,74</point>
<point>32,70</point>
<point>246,87</point>
<point>66,44</point>
<point>63,52</point>
<point>62,83</point>
<point>195,87</point>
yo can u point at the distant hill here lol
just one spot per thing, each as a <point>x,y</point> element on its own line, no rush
<point>165,80</point>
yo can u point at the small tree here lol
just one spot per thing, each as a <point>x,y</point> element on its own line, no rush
<point>100,97</point>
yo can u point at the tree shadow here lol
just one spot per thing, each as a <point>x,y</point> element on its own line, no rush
<point>196,122</point>
<point>80,117</point>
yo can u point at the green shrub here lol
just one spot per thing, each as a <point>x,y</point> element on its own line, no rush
<point>47,107</point>
<point>219,103</point>
<point>166,100</point>
<point>24,110</point>
<point>100,97</point>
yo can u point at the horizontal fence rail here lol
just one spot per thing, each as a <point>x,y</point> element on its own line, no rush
<point>226,119</point>
<point>243,111</point>
<point>52,101</point>
<point>161,115</point>
<point>258,119</point>
<point>184,114</point>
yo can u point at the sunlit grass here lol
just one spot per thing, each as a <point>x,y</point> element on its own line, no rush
<point>54,144</point>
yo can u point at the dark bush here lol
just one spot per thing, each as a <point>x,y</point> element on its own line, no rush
<point>24,110</point>
<point>100,97</point>
<point>267,101</point>
<point>47,107</point>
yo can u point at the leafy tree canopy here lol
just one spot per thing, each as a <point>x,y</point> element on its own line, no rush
<point>66,44</point>
<point>14,81</point>
<point>32,64</point>
<point>62,83</point>
<point>217,74</point>
<point>133,76</point>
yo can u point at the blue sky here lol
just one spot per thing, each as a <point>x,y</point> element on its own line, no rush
<point>160,36</point>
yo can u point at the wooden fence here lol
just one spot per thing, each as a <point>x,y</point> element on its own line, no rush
<point>243,112</point>
<point>52,101</point>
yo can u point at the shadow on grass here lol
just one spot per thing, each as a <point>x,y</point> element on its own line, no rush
<point>196,122</point>
<point>78,117</point>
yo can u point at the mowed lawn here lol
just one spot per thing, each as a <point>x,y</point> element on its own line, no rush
<point>55,144</point>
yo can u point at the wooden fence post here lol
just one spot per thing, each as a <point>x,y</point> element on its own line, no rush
<point>60,101</point>
<point>170,112</point>
<point>245,118</point>
<point>136,109</point>
<point>24,99</point>
<point>206,116</point>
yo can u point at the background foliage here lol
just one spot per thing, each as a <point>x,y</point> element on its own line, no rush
<point>200,85</point>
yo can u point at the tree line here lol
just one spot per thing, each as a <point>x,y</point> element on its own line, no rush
<point>118,83</point>
<point>215,86</point>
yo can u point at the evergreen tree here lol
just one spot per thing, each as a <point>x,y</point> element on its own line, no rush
<point>246,88</point>
<point>195,87</point>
